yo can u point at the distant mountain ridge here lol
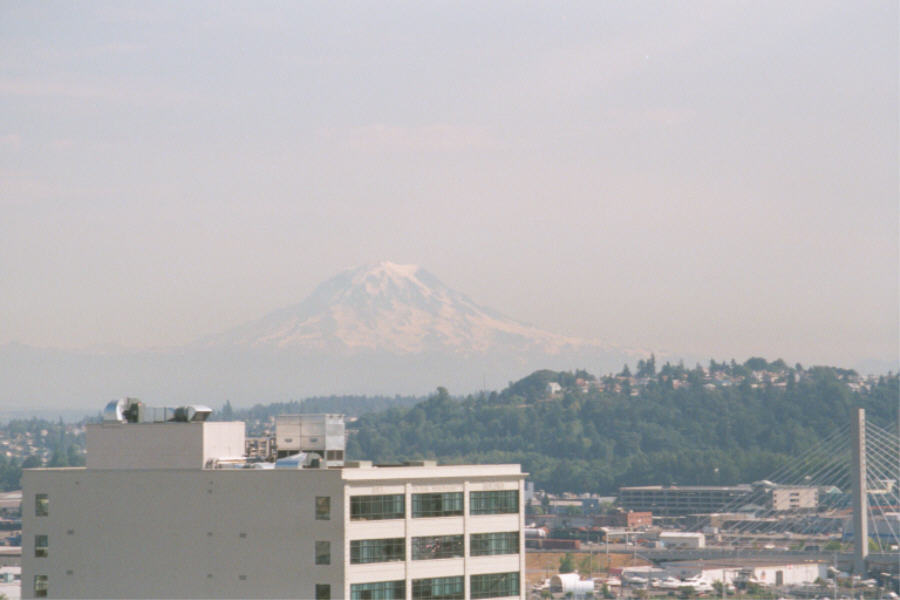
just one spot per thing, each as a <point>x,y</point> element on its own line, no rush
<point>384,328</point>
<point>388,307</point>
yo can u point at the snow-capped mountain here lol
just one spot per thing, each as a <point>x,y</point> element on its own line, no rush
<point>391,308</point>
<point>380,329</point>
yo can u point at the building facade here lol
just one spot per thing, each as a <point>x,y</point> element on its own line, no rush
<point>793,498</point>
<point>629,519</point>
<point>680,500</point>
<point>156,514</point>
<point>768,572</point>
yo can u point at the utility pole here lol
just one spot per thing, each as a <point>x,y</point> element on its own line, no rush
<point>860,493</point>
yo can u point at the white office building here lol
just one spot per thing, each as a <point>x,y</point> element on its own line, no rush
<point>169,510</point>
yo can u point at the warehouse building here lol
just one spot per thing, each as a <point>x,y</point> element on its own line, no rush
<point>167,508</point>
<point>761,571</point>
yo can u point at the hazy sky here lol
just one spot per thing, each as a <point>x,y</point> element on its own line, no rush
<point>716,178</point>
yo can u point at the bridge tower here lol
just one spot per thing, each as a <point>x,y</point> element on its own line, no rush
<point>860,493</point>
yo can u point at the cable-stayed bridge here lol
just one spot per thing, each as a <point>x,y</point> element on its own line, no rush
<point>838,500</point>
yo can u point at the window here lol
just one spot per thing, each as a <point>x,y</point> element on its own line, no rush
<point>494,585</point>
<point>437,505</point>
<point>484,544</point>
<point>323,508</point>
<point>40,546</point>
<point>323,553</point>
<point>383,550</point>
<point>40,586</point>
<point>493,503</point>
<point>370,508</point>
<point>334,455</point>
<point>41,505</point>
<point>323,591</point>
<point>438,588</point>
<point>382,590</point>
<point>440,546</point>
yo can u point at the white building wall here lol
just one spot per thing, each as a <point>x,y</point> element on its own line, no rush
<point>429,480</point>
<point>791,573</point>
<point>683,539</point>
<point>794,498</point>
<point>223,440</point>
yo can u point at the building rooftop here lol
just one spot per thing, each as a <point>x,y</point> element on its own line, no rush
<point>430,471</point>
<point>737,563</point>
<point>742,487</point>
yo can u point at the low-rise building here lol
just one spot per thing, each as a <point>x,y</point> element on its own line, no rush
<point>763,571</point>
<point>168,510</point>
<point>629,519</point>
<point>682,539</point>
<point>680,500</point>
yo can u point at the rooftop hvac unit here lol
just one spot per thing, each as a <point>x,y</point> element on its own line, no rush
<point>323,434</point>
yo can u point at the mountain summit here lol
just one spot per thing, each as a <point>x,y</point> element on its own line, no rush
<point>391,308</point>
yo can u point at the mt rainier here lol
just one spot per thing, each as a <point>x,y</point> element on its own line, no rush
<point>398,309</point>
<point>379,329</point>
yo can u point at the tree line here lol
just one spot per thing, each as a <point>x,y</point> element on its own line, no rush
<point>598,440</point>
<point>53,444</point>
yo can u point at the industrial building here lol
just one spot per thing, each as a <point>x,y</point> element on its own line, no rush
<point>680,500</point>
<point>682,539</point>
<point>700,499</point>
<point>168,507</point>
<point>761,571</point>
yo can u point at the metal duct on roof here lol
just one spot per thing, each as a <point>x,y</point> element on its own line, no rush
<point>132,410</point>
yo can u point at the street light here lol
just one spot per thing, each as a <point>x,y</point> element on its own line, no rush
<point>834,576</point>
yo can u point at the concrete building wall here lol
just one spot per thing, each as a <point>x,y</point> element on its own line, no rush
<point>242,533</point>
<point>161,445</point>
<point>794,498</point>
<point>182,534</point>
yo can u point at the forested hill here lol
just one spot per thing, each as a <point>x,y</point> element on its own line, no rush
<point>723,424</point>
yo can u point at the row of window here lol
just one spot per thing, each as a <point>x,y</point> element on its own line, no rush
<point>491,585</point>
<point>433,547</point>
<point>393,549</point>
<point>323,506</point>
<point>393,506</point>
<point>40,586</point>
